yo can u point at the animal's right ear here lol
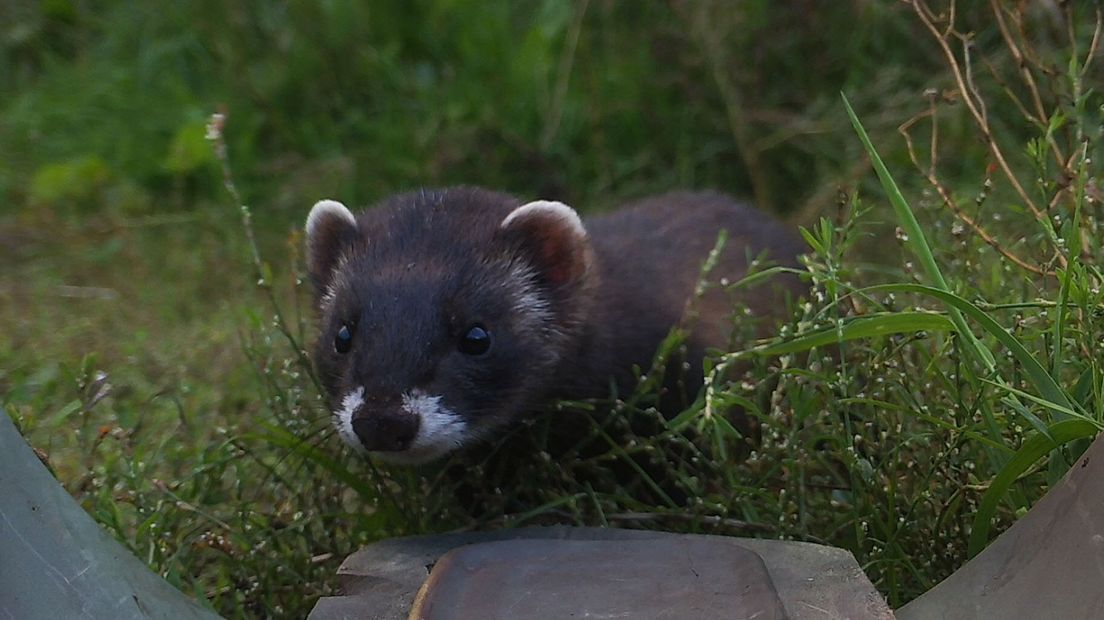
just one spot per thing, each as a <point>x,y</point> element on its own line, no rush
<point>331,229</point>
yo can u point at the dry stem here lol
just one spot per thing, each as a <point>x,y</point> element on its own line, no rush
<point>976,106</point>
<point>948,201</point>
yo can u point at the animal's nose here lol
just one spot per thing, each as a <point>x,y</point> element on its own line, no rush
<point>386,432</point>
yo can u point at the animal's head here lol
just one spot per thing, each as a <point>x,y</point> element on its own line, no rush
<point>442,314</point>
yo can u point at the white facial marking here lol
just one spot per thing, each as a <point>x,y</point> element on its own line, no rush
<point>327,208</point>
<point>440,430</point>
<point>558,210</point>
<point>528,301</point>
<point>337,282</point>
<point>343,419</point>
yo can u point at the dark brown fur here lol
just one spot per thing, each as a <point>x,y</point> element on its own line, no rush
<point>568,313</point>
<point>650,255</point>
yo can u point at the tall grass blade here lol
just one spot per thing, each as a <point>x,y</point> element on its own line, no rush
<point>869,326</point>
<point>1040,378</point>
<point>1034,448</point>
<point>916,236</point>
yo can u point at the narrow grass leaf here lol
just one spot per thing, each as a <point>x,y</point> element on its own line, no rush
<point>1044,402</point>
<point>1034,448</point>
<point>916,237</point>
<point>758,276</point>
<point>812,240</point>
<point>869,326</point>
<point>1084,387</point>
<point>545,508</point>
<point>283,439</point>
<point>1040,378</point>
<point>1035,421</point>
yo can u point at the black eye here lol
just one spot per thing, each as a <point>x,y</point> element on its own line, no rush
<point>343,341</point>
<point>476,341</point>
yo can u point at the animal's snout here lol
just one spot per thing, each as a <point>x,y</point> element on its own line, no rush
<point>391,431</point>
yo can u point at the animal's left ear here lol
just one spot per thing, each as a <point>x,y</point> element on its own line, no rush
<point>551,236</point>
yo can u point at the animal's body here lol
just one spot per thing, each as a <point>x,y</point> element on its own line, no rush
<point>446,314</point>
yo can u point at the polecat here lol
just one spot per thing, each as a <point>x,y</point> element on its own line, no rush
<point>444,314</point>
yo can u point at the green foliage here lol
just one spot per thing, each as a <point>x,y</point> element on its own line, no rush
<point>189,150</point>
<point>581,101</point>
<point>77,180</point>
<point>154,352</point>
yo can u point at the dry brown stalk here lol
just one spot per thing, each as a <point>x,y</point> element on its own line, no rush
<point>949,202</point>
<point>1041,117</point>
<point>1007,88</point>
<point>1018,57</point>
<point>975,105</point>
<point>1094,44</point>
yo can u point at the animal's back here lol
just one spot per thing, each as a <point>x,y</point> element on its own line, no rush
<point>650,256</point>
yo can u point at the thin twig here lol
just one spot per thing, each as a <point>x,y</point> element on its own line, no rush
<point>933,156</point>
<point>1029,53</point>
<point>1021,59</point>
<point>949,202</point>
<point>927,18</point>
<point>1094,45</point>
<point>215,135</point>
<point>1021,63</point>
<point>968,65</point>
<point>1007,88</point>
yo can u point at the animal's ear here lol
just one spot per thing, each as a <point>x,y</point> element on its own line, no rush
<point>551,237</point>
<point>331,229</point>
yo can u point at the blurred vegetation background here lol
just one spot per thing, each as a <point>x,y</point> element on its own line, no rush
<point>138,353</point>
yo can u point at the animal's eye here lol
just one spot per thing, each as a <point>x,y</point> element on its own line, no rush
<point>476,341</point>
<point>343,341</point>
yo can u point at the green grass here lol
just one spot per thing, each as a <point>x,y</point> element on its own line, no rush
<point>930,388</point>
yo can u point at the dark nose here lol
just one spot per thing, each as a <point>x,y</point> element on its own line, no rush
<point>386,432</point>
